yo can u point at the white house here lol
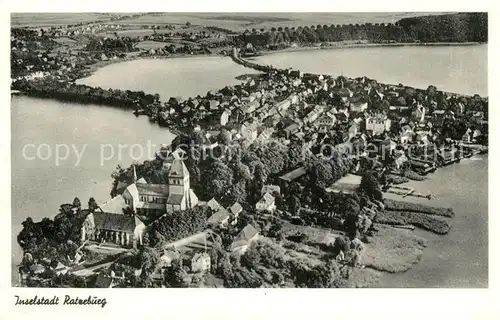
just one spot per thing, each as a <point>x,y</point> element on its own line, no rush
<point>224,118</point>
<point>244,239</point>
<point>267,203</point>
<point>219,218</point>
<point>200,262</point>
<point>378,124</point>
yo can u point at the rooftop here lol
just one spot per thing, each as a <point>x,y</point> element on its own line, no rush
<point>114,222</point>
<point>295,174</point>
<point>152,189</point>
<point>348,184</point>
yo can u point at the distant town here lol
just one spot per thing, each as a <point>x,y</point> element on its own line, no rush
<point>279,181</point>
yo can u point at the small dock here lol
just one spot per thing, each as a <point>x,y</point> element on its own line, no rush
<point>406,192</point>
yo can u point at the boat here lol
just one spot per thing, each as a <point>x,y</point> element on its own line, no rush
<point>139,112</point>
<point>406,226</point>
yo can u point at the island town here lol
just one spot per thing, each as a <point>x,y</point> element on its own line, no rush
<point>279,181</point>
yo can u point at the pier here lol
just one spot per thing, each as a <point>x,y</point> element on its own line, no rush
<point>406,192</point>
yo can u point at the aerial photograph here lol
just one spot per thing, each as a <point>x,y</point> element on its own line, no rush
<point>249,150</point>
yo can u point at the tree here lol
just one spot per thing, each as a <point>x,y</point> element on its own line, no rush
<point>92,205</point>
<point>370,186</point>
<point>218,177</point>
<point>77,203</point>
<point>321,174</point>
<point>224,137</point>
<point>175,274</point>
<point>148,258</point>
<point>188,24</point>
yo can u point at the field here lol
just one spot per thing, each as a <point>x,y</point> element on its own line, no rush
<point>235,21</point>
<point>152,45</point>
<point>393,250</point>
<point>54,19</point>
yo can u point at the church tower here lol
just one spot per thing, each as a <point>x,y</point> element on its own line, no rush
<point>178,180</point>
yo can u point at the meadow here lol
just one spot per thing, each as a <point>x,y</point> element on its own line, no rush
<point>237,21</point>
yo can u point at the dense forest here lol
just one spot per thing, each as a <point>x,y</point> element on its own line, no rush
<point>50,87</point>
<point>459,27</point>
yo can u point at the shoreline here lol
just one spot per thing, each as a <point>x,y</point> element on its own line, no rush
<point>367,45</point>
<point>91,69</point>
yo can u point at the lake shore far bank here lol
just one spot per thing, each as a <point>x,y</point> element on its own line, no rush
<point>338,45</point>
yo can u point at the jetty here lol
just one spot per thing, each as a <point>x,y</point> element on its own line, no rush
<point>406,192</point>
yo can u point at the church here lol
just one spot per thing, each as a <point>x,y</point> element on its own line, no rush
<point>111,223</point>
<point>145,198</point>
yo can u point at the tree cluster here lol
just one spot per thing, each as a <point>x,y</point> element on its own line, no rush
<point>54,239</point>
<point>176,225</point>
<point>459,27</point>
<point>50,87</point>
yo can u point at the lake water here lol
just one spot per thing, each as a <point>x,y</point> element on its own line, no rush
<point>462,69</point>
<point>183,77</point>
<point>40,186</point>
<point>458,259</point>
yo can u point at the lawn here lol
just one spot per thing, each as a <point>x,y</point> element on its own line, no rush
<point>65,41</point>
<point>152,45</point>
<point>240,21</point>
<point>317,235</point>
<point>393,250</point>
<point>32,19</point>
<point>363,278</point>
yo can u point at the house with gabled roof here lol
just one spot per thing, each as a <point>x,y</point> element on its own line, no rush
<point>213,204</point>
<point>267,203</point>
<point>219,219</point>
<point>246,236</point>
<point>269,188</point>
<point>236,209</point>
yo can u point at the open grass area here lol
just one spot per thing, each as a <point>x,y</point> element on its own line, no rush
<point>314,235</point>
<point>393,250</point>
<point>65,41</point>
<point>363,278</point>
<point>235,21</point>
<point>418,219</point>
<point>395,205</point>
<point>33,19</point>
<point>247,20</point>
<point>152,45</point>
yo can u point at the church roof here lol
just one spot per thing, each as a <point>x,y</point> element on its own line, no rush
<point>152,189</point>
<point>175,199</point>
<point>178,169</point>
<point>132,189</point>
<point>115,205</point>
<point>142,180</point>
<point>114,222</point>
<point>151,205</point>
